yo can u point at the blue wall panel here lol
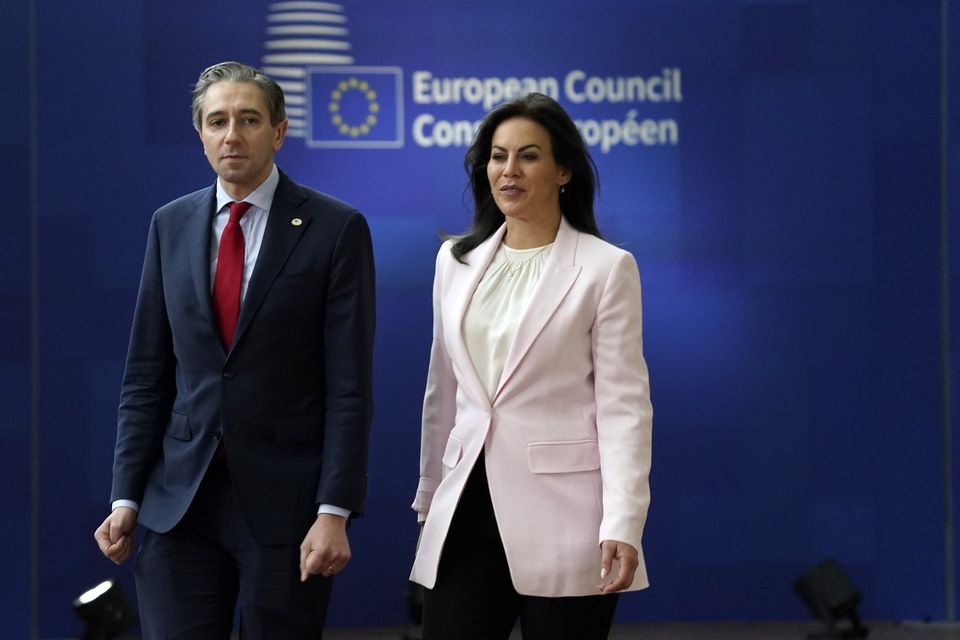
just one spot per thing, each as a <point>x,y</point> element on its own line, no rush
<point>787,239</point>
<point>953,276</point>
<point>15,337</point>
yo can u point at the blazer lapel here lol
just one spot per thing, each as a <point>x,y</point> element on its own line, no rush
<point>559,274</point>
<point>279,238</point>
<point>197,233</point>
<point>462,292</point>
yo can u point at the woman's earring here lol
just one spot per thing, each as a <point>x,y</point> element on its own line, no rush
<point>563,188</point>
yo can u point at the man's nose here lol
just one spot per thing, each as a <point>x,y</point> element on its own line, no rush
<point>233,132</point>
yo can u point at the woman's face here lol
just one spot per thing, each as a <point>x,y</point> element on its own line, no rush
<point>524,178</point>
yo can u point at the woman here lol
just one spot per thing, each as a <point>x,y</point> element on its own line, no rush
<point>535,449</point>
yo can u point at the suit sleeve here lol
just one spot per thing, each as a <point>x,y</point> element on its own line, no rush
<point>624,411</point>
<point>148,388</point>
<point>349,322</point>
<point>439,400</point>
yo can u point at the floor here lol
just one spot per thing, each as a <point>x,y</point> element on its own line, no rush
<point>706,631</point>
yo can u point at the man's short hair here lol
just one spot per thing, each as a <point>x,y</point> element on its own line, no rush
<point>238,72</point>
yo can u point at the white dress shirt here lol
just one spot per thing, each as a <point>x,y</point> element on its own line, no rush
<point>497,306</point>
<point>253,223</point>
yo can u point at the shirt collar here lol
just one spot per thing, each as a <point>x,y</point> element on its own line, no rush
<point>261,197</point>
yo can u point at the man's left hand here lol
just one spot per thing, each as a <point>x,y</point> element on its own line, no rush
<point>325,550</point>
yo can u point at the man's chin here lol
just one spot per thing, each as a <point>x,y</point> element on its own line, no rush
<point>232,171</point>
<point>233,176</point>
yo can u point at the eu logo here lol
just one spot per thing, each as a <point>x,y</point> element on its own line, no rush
<point>355,107</point>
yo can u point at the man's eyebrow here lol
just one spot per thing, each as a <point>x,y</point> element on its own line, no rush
<point>221,112</point>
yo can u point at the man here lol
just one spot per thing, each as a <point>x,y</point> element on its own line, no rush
<point>246,400</point>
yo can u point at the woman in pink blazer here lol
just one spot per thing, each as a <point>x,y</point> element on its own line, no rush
<point>535,450</point>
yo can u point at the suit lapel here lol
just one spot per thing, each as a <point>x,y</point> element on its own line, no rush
<point>279,238</point>
<point>462,292</point>
<point>559,274</point>
<point>197,233</point>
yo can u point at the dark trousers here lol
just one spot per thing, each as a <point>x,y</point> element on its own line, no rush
<point>474,598</point>
<point>191,579</point>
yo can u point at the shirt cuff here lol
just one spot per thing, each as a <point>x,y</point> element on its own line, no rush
<point>336,511</point>
<point>130,504</point>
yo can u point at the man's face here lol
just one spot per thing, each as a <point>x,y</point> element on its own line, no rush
<point>237,136</point>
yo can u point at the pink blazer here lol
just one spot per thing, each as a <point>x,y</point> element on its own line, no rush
<point>567,433</point>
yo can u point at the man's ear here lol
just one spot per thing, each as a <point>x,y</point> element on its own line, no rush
<point>281,135</point>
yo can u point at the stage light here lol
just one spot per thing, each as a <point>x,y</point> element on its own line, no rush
<point>831,597</point>
<point>105,610</point>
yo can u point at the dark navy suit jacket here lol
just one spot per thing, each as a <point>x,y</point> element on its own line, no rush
<point>291,400</point>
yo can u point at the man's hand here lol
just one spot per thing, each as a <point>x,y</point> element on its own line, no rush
<point>325,550</point>
<point>115,535</point>
<point>618,564</point>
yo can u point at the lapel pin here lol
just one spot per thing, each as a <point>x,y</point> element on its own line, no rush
<point>296,222</point>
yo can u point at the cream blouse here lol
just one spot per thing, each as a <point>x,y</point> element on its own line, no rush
<point>497,306</point>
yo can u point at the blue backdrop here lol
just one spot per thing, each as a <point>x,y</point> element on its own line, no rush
<point>774,166</point>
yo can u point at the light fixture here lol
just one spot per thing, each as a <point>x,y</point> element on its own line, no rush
<point>832,598</point>
<point>105,610</point>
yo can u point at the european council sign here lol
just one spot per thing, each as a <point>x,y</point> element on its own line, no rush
<point>355,107</point>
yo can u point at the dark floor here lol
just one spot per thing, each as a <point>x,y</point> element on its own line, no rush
<point>708,631</point>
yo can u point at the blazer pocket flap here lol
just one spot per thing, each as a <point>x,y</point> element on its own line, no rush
<point>179,427</point>
<point>563,457</point>
<point>453,452</point>
<point>299,429</point>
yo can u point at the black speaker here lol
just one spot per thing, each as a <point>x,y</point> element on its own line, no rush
<point>832,598</point>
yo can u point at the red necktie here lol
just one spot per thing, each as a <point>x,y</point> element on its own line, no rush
<point>226,284</point>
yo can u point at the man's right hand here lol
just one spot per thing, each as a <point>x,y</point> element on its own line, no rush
<point>115,535</point>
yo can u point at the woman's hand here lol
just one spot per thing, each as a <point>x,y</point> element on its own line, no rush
<point>618,564</point>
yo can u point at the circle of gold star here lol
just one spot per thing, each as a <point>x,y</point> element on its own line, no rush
<point>354,130</point>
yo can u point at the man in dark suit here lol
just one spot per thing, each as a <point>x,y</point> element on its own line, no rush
<point>246,400</point>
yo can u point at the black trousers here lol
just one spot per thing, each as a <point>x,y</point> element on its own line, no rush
<point>474,598</point>
<point>192,579</point>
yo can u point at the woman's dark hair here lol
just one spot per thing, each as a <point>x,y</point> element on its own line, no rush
<point>569,151</point>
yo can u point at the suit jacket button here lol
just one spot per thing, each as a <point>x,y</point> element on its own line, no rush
<point>228,375</point>
<point>217,435</point>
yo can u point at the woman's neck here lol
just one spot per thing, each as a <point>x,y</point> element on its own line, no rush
<point>527,234</point>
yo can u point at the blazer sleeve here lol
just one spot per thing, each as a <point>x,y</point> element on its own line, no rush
<point>349,323</point>
<point>148,388</point>
<point>624,411</point>
<point>439,399</point>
